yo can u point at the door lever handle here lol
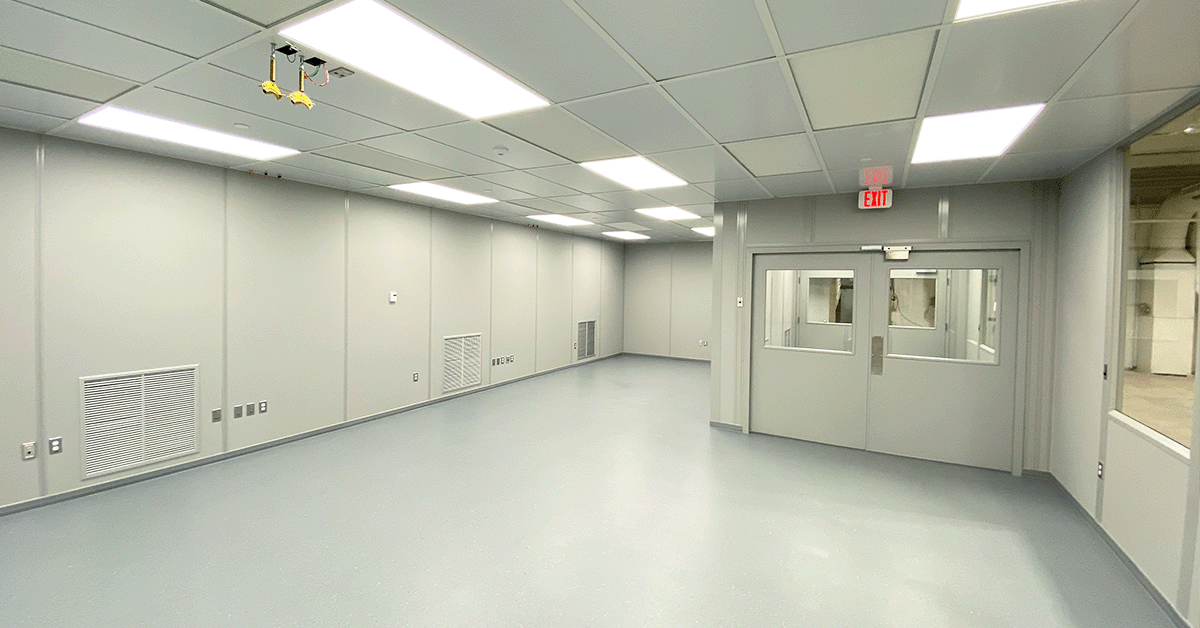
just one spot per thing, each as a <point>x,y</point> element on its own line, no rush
<point>877,355</point>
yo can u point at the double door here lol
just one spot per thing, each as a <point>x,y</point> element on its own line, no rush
<point>916,358</point>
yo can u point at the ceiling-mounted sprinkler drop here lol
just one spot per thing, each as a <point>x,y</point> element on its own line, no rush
<point>270,86</point>
<point>298,97</point>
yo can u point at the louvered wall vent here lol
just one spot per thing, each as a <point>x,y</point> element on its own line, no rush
<point>585,345</point>
<point>130,420</point>
<point>462,358</point>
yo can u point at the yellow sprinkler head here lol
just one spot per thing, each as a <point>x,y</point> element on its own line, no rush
<point>269,87</point>
<point>300,98</point>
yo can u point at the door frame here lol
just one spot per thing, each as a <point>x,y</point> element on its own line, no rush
<point>1024,274</point>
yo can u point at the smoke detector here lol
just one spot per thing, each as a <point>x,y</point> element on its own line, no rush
<point>500,151</point>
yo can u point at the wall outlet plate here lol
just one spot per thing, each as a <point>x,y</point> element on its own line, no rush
<point>237,412</point>
<point>262,407</point>
<point>416,376</point>
<point>250,408</point>
<point>216,415</point>
<point>28,451</point>
<point>56,445</point>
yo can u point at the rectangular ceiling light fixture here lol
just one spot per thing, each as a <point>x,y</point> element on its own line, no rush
<point>565,221</point>
<point>972,135</point>
<point>637,173</point>
<point>706,231</point>
<point>380,41</point>
<point>433,190</point>
<point>155,128</point>
<point>969,9</point>
<point>668,213</point>
<point>626,235</point>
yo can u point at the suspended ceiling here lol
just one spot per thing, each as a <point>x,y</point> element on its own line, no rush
<point>744,99</point>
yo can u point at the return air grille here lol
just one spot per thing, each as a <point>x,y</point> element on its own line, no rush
<point>585,345</point>
<point>462,362</point>
<point>135,419</point>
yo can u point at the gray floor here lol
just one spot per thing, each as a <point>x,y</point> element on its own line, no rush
<point>596,496</point>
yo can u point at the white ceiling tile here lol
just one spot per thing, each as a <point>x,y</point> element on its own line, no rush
<point>587,202</point>
<point>741,103</point>
<point>776,155</point>
<point>577,177</point>
<point>1146,56</point>
<point>338,168</point>
<point>864,82</point>
<point>549,206</point>
<point>41,102</point>
<point>194,28</point>
<point>641,119</point>
<point>701,165</point>
<point>480,139</point>
<point>850,180</point>
<point>630,199</point>
<point>49,35</point>
<point>804,184</point>
<point>685,195</point>
<point>538,57</point>
<point>1019,58</point>
<point>947,173</point>
<point>387,162</point>
<point>362,93</point>
<point>704,210</point>
<point>678,37</point>
<point>1033,166</point>
<point>28,120</point>
<point>1094,122</point>
<point>428,151</point>
<point>220,86</point>
<point>811,24</point>
<point>562,133</point>
<point>291,173</point>
<point>511,208</point>
<point>266,12</point>
<point>24,68</point>
<point>884,144</point>
<point>737,190</point>
<point>528,183</point>
<point>629,226</point>
<point>484,188</point>
<point>182,108</point>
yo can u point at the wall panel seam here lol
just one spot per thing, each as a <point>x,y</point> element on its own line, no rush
<point>38,288</point>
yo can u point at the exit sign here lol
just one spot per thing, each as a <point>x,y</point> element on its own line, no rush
<point>875,199</point>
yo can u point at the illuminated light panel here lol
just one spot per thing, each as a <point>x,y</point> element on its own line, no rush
<point>636,173</point>
<point>668,213</point>
<point>626,235</point>
<point>565,221</point>
<point>380,41</point>
<point>433,190</point>
<point>155,128</point>
<point>968,9</point>
<point>706,231</point>
<point>972,135</point>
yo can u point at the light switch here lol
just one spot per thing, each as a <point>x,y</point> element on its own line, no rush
<point>393,297</point>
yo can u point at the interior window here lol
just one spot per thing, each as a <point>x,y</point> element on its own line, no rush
<point>810,309</point>
<point>945,313</point>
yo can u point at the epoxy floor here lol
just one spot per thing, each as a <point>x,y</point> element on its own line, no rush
<point>596,496</point>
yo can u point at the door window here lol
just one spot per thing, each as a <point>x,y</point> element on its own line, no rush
<point>944,313</point>
<point>810,309</point>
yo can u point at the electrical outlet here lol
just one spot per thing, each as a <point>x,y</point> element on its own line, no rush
<point>1100,470</point>
<point>216,415</point>
<point>250,408</point>
<point>56,445</point>
<point>262,407</point>
<point>512,359</point>
<point>237,412</point>
<point>28,451</point>
<point>416,376</point>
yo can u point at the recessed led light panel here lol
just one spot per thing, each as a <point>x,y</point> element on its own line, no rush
<point>155,128</point>
<point>972,135</point>
<point>433,190</point>
<point>668,213</point>
<point>636,173</point>
<point>381,41</point>
<point>565,221</point>
<point>968,9</point>
<point>706,231</point>
<point>626,235</point>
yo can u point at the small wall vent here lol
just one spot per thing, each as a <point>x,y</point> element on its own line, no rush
<point>585,344</point>
<point>135,419</point>
<point>462,358</point>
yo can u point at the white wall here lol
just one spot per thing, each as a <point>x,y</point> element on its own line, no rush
<point>278,290</point>
<point>668,299</point>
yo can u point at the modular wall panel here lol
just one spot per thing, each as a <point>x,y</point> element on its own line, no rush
<point>387,342</point>
<point>18,366</point>
<point>589,262</point>
<point>514,301</point>
<point>691,299</point>
<point>461,277</point>
<point>132,271</point>
<point>555,329</point>
<point>286,307</point>
<point>999,211</point>
<point>612,301</point>
<point>648,299</point>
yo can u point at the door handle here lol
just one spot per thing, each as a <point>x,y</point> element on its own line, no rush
<point>877,355</point>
